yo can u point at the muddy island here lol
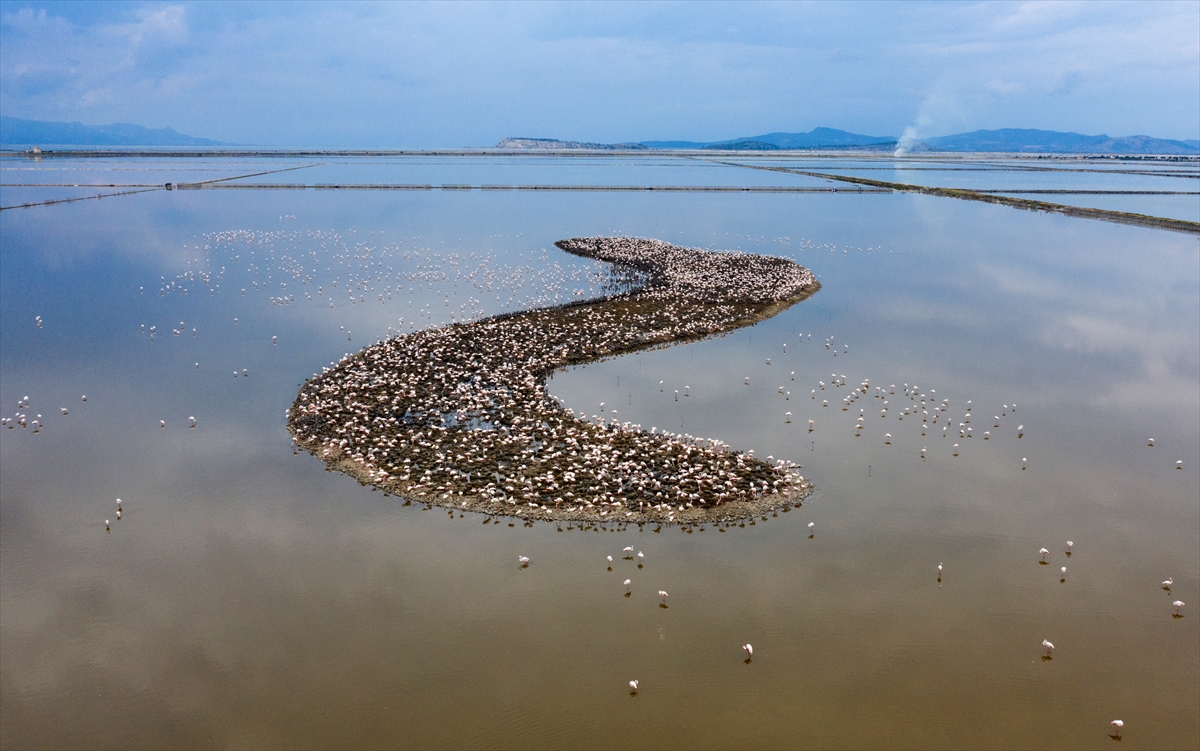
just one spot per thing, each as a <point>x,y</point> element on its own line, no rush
<point>458,416</point>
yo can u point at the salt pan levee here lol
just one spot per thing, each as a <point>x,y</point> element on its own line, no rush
<point>458,415</point>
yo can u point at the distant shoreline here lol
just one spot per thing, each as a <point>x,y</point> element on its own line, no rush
<point>9,152</point>
<point>863,185</point>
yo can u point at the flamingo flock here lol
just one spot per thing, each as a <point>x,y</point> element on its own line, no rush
<point>458,415</point>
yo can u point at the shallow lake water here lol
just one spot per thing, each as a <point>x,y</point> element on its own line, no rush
<point>248,598</point>
<point>1163,188</point>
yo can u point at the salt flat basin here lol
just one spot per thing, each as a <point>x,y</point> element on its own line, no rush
<point>248,597</point>
<point>458,415</point>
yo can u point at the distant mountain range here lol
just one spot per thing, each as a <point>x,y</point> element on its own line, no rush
<point>817,138</point>
<point>1008,140</point>
<point>1050,141</point>
<point>18,132</point>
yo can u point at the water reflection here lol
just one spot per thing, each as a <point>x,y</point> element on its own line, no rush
<point>246,597</point>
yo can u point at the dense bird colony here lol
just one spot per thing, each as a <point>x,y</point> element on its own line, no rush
<point>458,415</point>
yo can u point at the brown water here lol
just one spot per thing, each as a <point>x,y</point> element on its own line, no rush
<point>249,599</point>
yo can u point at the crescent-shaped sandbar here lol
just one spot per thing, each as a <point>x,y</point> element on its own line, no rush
<point>458,416</point>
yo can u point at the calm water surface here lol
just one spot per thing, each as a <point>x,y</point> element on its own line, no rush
<point>1180,181</point>
<point>248,598</point>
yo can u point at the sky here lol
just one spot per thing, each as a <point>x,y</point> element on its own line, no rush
<point>416,75</point>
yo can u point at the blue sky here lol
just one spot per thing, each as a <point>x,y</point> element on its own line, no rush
<point>446,75</point>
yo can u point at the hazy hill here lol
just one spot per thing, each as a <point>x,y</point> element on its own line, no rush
<point>1019,140</point>
<point>1055,142</point>
<point>817,138</point>
<point>820,138</point>
<point>18,132</point>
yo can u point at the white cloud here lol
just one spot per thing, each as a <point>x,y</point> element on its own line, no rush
<point>1004,88</point>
